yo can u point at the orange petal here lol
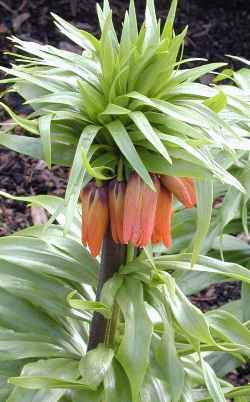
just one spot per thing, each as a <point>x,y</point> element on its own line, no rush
<point>120,211</point>
<point>98,220</point>
<point>116,207</point>
<point>148,212</point>
<point>180,188</point>
<point>163,218</point>
<point>87,194</point>
<point>112,210</point>
<point>191,187</point>
<point>167,234</point>
<point>132,209</point>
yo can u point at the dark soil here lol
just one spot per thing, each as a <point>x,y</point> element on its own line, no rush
<point>216,28</point>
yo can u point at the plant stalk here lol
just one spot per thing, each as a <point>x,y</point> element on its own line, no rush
<point>113,256</point>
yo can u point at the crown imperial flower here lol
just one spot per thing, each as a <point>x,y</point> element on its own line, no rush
<point>182,188</point>
<point>116,207</point>
<point>163,218</point>
<point>139,211</point>
<point>95,216</point>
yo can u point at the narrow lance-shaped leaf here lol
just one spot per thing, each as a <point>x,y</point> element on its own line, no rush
<point>29,125</point>
<point>147,130</point>
<point>168,28</point>
<point>204,192</point>
<point>44,127</point>
<point>77,172</point>
<point>127,148</point>
<point>212,383</point>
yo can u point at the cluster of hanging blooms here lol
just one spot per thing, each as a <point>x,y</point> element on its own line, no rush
<point>136,213</point>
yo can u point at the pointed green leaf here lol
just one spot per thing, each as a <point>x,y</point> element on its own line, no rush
<point>126,146</point>
<point>212,383</point>
<point>217,102</point>
<point>204,194</point>
<point>29,125</point>
<point>147,130</point>
<point>94,366</point>
<point>134,355</point>
<point>44,123</point>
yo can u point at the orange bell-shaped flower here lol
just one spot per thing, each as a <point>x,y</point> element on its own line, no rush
<point>163,218</point>
<point>182,187</point>
<point>95,216</point>
<point>139,211</point>
<point>116,208</point>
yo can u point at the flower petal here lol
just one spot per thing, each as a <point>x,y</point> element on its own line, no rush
<point>163,218</point>
<point>181,188</point>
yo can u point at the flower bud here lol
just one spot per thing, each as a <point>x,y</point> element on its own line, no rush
<point>95,216</point>
<point>183,189</point>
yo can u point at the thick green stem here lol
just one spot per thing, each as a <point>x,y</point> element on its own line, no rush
<point>113,256</point>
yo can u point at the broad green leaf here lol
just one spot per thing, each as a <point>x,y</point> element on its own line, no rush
<point>154,389</point>
<point>62,369</point>
<point>223,363</point>
<point>172,369</point>
<point>156,163</point>
<point>59,257</point>
<point>94,366</point>
<point>116,384</point>
<point>217,102</point>
<point>17,345</point>
<point>134,356</point>
<point>110,289</point>
<point>36,321</point>
<point>190,318</point>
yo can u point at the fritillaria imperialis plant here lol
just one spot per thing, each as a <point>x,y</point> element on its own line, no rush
<point>145,143</point>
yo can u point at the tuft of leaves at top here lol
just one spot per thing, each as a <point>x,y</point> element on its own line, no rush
<point>126,98</point>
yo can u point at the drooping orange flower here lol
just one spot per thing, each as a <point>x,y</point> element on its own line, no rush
<point>95,216</point>
<point>116,208</point>
<point>182,187</point>
<point>139,211</point>
<point>163,218</point>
